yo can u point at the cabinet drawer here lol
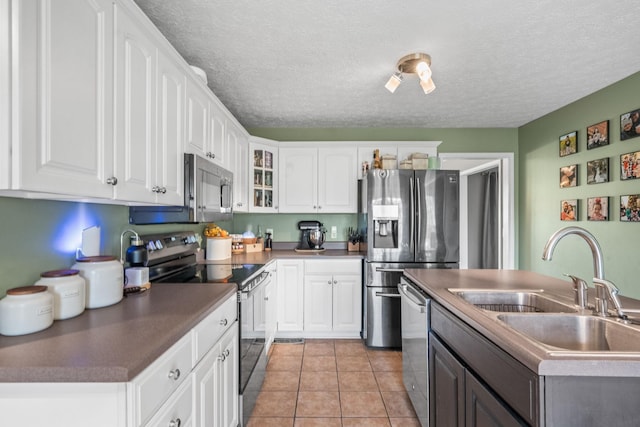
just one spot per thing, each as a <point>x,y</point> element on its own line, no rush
<point>154,385</point>
<point>178,409</point>
<point>333,266</point>
<point>207,332</point>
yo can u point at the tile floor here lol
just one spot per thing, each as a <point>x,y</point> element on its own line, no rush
<point>333,383</point>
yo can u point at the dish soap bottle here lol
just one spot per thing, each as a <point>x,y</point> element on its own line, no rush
<point>268,242</point>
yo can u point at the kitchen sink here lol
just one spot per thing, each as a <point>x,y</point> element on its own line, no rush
<point>575,332</point>
<point>513,301</point>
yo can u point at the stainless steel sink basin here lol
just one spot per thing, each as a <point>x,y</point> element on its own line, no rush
<point>513,301</point>
<point>574,332</point>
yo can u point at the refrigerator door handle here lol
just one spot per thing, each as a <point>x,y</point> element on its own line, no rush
<point>390,270</point>
<point>412,209</point>
<point>387,295</point>
<point>418,212</point>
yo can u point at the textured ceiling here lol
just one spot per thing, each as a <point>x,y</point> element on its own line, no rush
<point>311,63</point>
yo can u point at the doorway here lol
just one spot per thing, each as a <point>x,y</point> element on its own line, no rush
<point>477,250</point>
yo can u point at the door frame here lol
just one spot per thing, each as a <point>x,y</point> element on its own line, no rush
<point>481,162</point>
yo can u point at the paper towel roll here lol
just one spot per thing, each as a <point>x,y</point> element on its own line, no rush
<point>218,248</point>
<point>91,241</point>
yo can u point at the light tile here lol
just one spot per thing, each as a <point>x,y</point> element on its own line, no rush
<point>287,350</point>
<point>362,404</point>
<point>350,349</point>
<point>281,381</point>
<point>398,404</point>
<point>404,422</point>
<point>319,348</point>
<point>318,404</point>
<point>353,363</point>
<point>284,363</point>
<point>275,404</point>
<point>270,422</point>
<point>390,380</point>
<point>388,363</point>
<point>318,422</point>
<point>319,363</point>
<point>318,381</point>
<point>365,422</point>
<point>357,381</point>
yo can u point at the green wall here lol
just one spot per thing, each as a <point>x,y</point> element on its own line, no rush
<point>540,194</point>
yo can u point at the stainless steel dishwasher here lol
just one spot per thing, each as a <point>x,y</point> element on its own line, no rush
<point>416,316</point>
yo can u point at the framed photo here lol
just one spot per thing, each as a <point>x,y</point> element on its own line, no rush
<point>630,125</point>
<point>630,208</point>
<point>630,165</point>
<point>598,171</point>
<point>569,210</point>
<point>569,143</point>
<point>568,176</point>
<point>598,209</point>
<point>598,135</point>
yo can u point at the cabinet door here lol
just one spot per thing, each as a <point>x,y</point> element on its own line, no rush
<point>271,306</point>
<point>263,177</point>
<point>197,119</point>
<point>64,101</point>
<point>290,295</point>
<point>446,386</point>
<point>135,150</point>
<point>347,303</point>
<point>170,132</point>
<point>318,302</point>
<point>229,372</point>
<point>298,180</point>
<point>217,136</point>
<point>484,409</point>
<point>240,173</point>
<point>337,180</point>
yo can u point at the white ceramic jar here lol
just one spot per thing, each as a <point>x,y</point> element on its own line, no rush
<point>68,289</point>
<point>104,277</point>
<point>26,310</point>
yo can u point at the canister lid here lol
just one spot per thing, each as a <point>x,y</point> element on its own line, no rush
<point>27,290</point>
<point>97,258</point>
<point>59,273</point>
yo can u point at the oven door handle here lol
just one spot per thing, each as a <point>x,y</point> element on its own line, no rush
<point>411,299</point>
<point>245,295</point>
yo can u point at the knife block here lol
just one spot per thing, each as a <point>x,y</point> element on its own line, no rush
<point>353,247</point>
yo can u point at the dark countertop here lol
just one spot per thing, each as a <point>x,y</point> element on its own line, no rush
<point>266,256</point>
<point>111,344</point>
<point>538,358</point>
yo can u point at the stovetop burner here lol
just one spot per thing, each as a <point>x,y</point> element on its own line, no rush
<point>213,273</point>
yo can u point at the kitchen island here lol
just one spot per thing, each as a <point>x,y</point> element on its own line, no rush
<point>529,381</point>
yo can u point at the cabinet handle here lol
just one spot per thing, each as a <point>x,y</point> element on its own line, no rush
<point>319,207</point>
<point>155,189</point>
<point>223,322</point>
<point>328,282</point>
<point>112,181</point>
<point>163,190</point>
<point>222,358</point>
<point>226,353</point>
<point>174,374</point>
<point>239,204</point>
<point>335,282</point>
<point>175,423</point>
<point>266,298</point>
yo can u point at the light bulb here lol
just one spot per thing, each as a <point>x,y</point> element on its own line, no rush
<point>394,82</point>
<point>423,71</point>
<point>428,86</point>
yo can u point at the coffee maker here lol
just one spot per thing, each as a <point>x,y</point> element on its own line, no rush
<point>311,236</point>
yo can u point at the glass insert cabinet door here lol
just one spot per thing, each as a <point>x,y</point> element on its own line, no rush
<point>263,179</point>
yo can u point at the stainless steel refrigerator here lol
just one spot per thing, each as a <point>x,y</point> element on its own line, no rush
<point>412,221</point>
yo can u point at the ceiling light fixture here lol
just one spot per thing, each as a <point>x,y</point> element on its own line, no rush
<point>414,63</point>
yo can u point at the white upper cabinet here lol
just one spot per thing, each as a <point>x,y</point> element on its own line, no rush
<point>197,119</point>
<point>318,180</point>
<point>63,86</point>
<point>263,175</point>
<point>239,159</point>
<point>218,149</point>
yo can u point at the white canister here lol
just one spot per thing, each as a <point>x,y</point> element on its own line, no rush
<point>68,289</point>
<point>105,280</point>
<point>218,248</point>
<point>26,310</point>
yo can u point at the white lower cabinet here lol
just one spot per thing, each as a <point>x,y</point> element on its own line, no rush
<point>332,297</point>
<point>216,383</point>
<point>193,383</point>
<point>290,296</point>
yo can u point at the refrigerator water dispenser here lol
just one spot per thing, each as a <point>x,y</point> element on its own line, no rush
<point>385,224</point>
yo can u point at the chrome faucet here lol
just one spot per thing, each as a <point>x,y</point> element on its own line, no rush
<point>598,260</point>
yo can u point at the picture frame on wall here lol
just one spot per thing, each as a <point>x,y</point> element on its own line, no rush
<point>630,165</point>
<point>598,209</point>
<point>630,125</point>
<point>630,208</point>
<point>568,176</point>
<point>569,210</point>
<point>598,135</point>
<point>598,171</point>
<point>569,143</point>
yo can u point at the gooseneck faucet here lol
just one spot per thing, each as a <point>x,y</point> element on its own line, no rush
<point>596,252</point>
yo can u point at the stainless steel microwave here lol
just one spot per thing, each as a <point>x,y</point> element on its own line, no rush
<point>208,197</point>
